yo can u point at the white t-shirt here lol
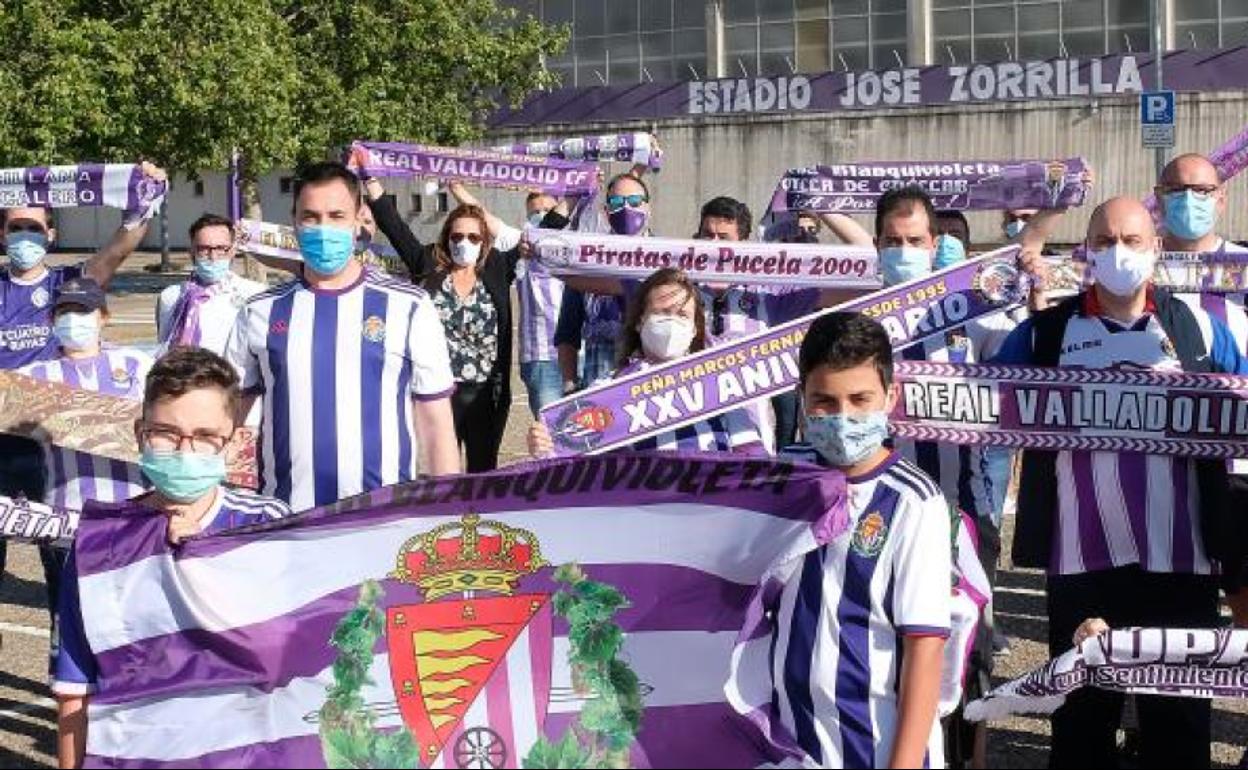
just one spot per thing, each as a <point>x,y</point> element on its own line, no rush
<point>216,315</point>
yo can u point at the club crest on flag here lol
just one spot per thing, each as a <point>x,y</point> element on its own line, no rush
<point>580,425</point>
<point>869,535</point>
<point>467,668</point>
<point>39,297</point>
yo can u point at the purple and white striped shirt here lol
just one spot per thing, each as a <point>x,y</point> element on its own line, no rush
<point>73,477</point>
<point>338,370</point>
<point>540,295</point>
<point>844,611</point>
<point>743,310</point>
<point>1122,508</point>
<point>733,431</point>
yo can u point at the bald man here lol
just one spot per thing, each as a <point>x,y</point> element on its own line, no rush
<point>1127,537</point>
<point>1192,197</point>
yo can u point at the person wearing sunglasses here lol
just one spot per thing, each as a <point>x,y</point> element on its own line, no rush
<point>592,313</point>
<point>201,310</point>
<point>539,296</point>
<point>665,321</point>
<point>189,406</point>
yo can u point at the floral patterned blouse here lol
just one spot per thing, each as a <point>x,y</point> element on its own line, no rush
<point>471,325</point>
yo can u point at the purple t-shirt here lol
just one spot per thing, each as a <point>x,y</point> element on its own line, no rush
<point>26,316</point>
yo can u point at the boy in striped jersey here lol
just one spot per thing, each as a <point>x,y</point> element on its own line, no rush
<point>352,365</point>
<point>79,312</point>
<point>861,622</point>
<point>189,410</point>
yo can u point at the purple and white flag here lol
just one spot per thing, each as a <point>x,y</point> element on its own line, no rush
<point>478,167</point>
<point>701,385</point>
<point>1182,662</point>
<point>960,185</point>
<point>217,654</point>
<point>118,185</point>
<point>1057,408</point>
<point>568,252</point>
<point>637,148</point>
<point>36,522</point>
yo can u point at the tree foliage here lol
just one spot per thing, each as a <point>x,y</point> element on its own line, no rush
<point>184,83</point>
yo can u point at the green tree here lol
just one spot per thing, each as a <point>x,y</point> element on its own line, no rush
<point>184,83</point>
<point>62,76</point>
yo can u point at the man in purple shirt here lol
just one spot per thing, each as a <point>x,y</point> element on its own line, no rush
<point>27,286</point>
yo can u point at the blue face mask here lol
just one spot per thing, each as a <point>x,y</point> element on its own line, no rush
<point>1014,227</point>
<point>76,331</point>
<point>904,263</point>
<point>949,251</point>
<point>536,218</point>
<point>845,440</point>
<point>210,271</point>
<point>25,249</point>
<point>326,249</point>
<point>183,477</point>
<point>1188,216</point>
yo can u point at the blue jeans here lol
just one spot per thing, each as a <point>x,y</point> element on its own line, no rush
<point>543,382</point>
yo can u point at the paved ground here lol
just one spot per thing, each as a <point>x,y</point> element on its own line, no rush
<point>27,715</point>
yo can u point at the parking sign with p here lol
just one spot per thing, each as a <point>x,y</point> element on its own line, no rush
<point>1157,118</point>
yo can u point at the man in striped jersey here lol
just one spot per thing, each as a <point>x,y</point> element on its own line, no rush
<point>861,622</point>
<point>352,365</point>
<point>79,313</point>
<point>189,409</point>
<point>1127,537</point>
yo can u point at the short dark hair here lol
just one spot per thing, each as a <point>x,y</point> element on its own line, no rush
<point>210,220</point>
<point>630,176</point>
<point>843,340</point>
<point>903,200</point>
<point>48,214</point>
<point>184,369</point>
<point>535,194</point>
<point>952,215</point>
<point>327,171</point>
<point>724,207</point>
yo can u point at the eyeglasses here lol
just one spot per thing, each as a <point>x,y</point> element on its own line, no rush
<point>617,202</point>
<point>213,251</point>
<point>1202,191</point>
<point>461,237</point>
<point>162,438</point>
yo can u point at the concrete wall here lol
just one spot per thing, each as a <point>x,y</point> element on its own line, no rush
<point>745,156</point>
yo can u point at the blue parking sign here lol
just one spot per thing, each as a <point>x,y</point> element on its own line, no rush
<point>1157,108</point>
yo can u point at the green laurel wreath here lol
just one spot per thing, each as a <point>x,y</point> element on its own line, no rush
<point>611,717</point>
<point>349,736</point>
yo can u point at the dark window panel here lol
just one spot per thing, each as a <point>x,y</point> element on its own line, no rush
<point>1085,43</point>
<point>1128,12</point>
<point>738,11</point>
<point>1196,10</point>
<point>951,23</point>
<point>849,7</point>
<point>1042,45</point>
<point>557,11</point>
<point>813,53</point>
<point>1041,17</point>
<point>686,15</point>
<point>775,10</point>
<point>1201,35</point>
<point>656,14</point>
<point>994,21</point>
<point>590,17</point>
<point>621,17</point>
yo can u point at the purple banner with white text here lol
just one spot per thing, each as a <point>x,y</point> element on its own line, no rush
<point>477,167</point>
<point>1056,409</point>
<point>693,388</point>
<point>959,185</point>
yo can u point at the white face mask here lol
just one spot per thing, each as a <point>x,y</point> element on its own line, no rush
<point>1121,270</point>
<point>666,337</point>
<point>465,254</point>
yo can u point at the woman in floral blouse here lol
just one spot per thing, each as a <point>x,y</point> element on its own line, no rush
<point>470,283</point>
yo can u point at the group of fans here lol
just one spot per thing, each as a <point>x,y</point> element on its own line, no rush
<point>357,378</point>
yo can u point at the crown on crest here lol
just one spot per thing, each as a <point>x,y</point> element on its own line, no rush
<point>470,555</point>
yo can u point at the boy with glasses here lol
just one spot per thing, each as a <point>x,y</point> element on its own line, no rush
<point>187,421</point>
